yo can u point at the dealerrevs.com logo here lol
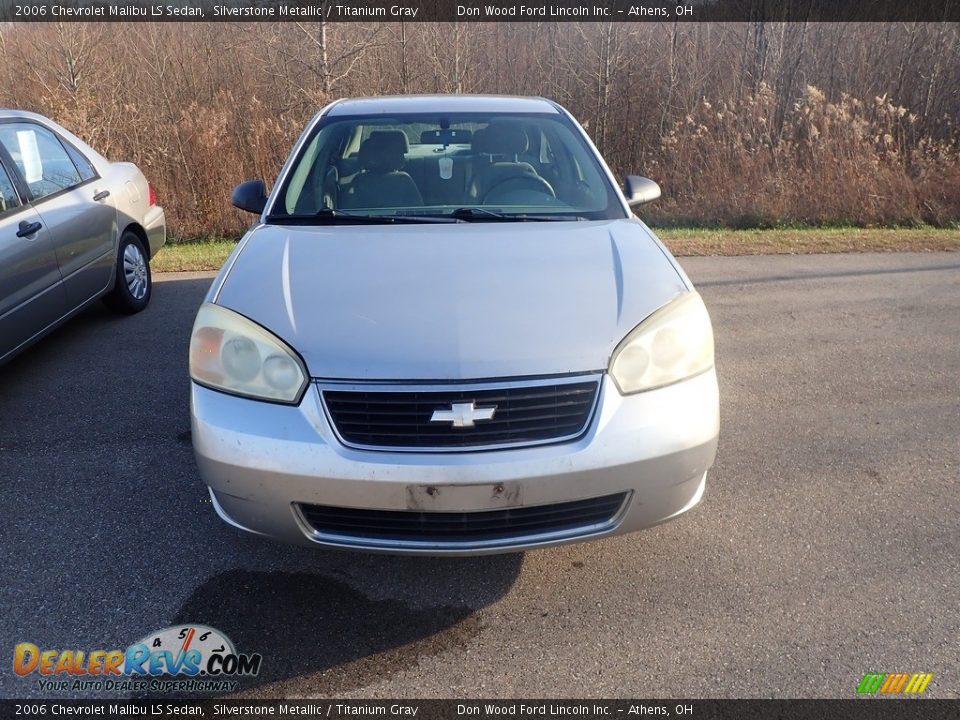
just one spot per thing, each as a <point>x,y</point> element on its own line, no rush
<point>186,658</point>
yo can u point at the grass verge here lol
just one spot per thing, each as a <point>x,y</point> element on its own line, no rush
<point>209,255</point>
<point>192,256</point>
<point>808,240</point>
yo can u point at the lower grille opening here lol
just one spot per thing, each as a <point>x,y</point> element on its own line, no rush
<point>485,526</point>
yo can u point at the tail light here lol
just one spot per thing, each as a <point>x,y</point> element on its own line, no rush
<point>151,195</point>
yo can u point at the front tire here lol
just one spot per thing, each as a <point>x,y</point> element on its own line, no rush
<point>133,284</point>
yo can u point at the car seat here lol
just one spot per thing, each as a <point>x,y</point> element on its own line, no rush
<point>501,180</point>
<point>382,182</point>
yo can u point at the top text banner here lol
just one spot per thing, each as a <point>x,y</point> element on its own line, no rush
<point>476,11</point>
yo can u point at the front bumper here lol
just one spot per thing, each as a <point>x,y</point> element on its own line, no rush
<point>263,462</point>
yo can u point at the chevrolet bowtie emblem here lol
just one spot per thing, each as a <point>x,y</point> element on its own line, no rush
<point>463,415</point>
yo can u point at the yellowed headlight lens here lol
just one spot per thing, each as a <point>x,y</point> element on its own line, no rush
<point>674,343</point>
<point>231,353</point>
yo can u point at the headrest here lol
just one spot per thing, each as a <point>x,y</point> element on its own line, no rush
<point>500,139</point>
<point>384,150</point>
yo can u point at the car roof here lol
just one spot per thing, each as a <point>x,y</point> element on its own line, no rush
<point>399,104</point>
<point>10,113</point>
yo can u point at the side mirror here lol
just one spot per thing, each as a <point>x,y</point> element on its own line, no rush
<point>250,196</point>
<point>640,190</point>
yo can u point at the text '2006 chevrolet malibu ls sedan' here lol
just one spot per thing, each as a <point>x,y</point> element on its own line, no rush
<point>448,334</point>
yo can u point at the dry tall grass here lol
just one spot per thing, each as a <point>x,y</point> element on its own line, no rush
<point>849,162</point>
<point>715,113</point>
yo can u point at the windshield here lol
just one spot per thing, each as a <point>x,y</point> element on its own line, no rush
<point>470,167</point>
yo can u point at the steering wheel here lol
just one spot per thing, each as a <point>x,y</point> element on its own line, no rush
<point>530,183</point>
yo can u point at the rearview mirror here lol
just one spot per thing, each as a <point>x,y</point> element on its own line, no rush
<point>250,196</point>
<point>449,136</point>
<point>640,190</point>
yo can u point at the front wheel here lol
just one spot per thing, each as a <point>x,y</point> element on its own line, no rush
<point>131,290</point>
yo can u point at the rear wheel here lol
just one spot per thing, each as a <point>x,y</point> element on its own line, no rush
<point>131,291</point>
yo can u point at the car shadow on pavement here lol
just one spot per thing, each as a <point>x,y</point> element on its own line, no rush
<point>321,635</point>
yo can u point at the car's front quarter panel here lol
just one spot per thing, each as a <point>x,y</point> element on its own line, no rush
<point>216,286</point>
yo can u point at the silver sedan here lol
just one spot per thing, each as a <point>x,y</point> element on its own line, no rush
<point>74,228</point>
<point>447,333</point>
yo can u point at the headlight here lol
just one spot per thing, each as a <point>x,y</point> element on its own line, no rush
<point>674,343</point>
<point>231,353</point>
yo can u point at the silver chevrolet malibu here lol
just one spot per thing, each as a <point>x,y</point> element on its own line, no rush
<point>448,334</point>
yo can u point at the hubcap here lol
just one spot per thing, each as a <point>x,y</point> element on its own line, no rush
<point>135,271</point>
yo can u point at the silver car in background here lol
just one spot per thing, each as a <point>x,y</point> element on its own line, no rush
<point>74,228</point>
<point>447,333</point>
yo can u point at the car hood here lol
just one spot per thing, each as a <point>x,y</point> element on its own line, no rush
<point>450,302</point>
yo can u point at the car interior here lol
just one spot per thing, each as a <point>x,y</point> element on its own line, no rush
<point>501,163</point>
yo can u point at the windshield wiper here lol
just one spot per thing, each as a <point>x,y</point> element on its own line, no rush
<point>476,213</point>
<point>479,214</point>
<point>328,216</point>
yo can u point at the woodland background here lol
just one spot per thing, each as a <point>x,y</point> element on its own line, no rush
<point>742,124</point>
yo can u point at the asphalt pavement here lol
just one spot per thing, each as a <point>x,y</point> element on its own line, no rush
<point>827,544</point>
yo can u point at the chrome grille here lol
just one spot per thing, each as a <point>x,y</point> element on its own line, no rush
<point>528,413</point>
